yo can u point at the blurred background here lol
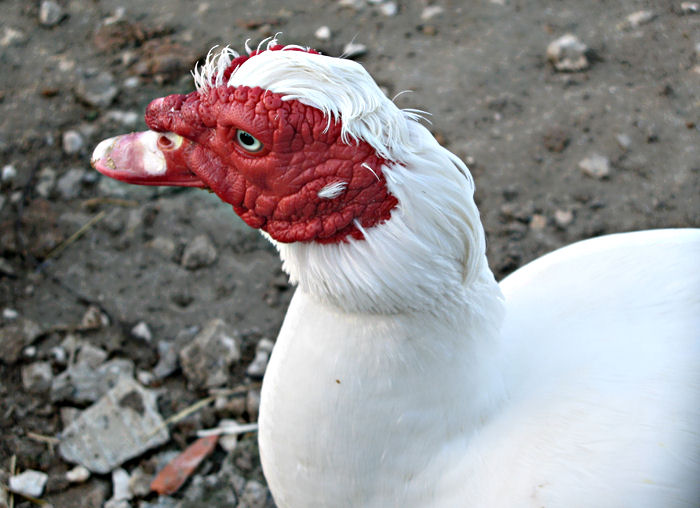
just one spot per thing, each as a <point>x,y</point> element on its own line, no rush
<point>576,119</point>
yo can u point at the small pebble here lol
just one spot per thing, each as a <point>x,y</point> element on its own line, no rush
<point>140,482</point>
<point>563,218</point>
<point>354,50</point>
<point>389,9</point>
<point>252,404</point>
<point>9,173</point>
<point>323,33</point>
<point>50,13</point>
<point>690,7</point>
<point>128,118</point>
<point>254,495</point>
<point>568,54</point>
<point>142,331</point>
<point>73,142</point>
<point>636,19</point>
<point>70,184</point>
<point>120,485</point>
<point>97,89</point>
<point>430,12</point>
<point>91,356</point>
<point>538,222</point>
<point>46,181</point>
<point>29,483</point>
<point>596,166</point>
<point>623,141</point>
<point>200,252</point>
<point>9,314</point>
<point>94,319</point>
<point>257,367</point>
<point>79,474</point>
<point>37,377</point>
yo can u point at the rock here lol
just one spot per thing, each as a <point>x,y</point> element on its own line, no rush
<point>93,319</point>
<point>555,139</point>
<point>623,141</point>
<point>70,183</point>
<point>389,8</point>
<point>690,7</point>
<point>120,485</point>
<point>69,415</point>
<point>73,142</point>
<point>257,367</point>
<point>117,503</point>
<point>563,218</point>
<point>97,89</point>
<point>9,173</point>
<point>164,245</point>
<point>254,495</point>
<point>354,50</point>
<point>81,383</point>
<point>636,19</point>
<point>538,222</point>
<point>122,425</point>
<point>9,314</point>
<point>46,181</point>
<point>595,166</point>
<point>12,37</point>
<point>252,404</point>
<point>79,474</point>
<point>207,359</point>
<point>142,331</point>
<point>127,118</point>
<point>162,502</point>
<point>568,54</point>
<point>29,483</point>
<point>140,482</point>
<point>90,355</point>
<point>37,377</point>
<point>430,12</point>
<point>200,252</point>
<point>15,336</point>
<point>323,33</point>
<point>50,13</point>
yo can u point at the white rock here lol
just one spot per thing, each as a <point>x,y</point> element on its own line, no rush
<point>9,314</point>
<point>596,166</point>
<point>200,252</point>
<point>624,141</point>
<point>120,485</point>
<point>354,49</point>
<point>636,19</point>
<point>9,173</point>
<point>690,7</point>
<point>73,142</point>
<point>79,474</point>
<point>257,367</point>
<point>207,359</point>
<point>389,8</point>
<point>563,218</point>
<point>92,356</point>
<point>12,37</point>
<point>29,483</point>
<point>431,11</point>
<point>142,331</point>
<point>37,377</point>
<point>50,13</point>
<point>323,33</point>
<point>568,54</point>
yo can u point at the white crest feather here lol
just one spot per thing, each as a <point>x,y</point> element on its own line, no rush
<point>332,190</point>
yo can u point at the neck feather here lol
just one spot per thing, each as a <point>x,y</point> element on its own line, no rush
<point>428,257</point>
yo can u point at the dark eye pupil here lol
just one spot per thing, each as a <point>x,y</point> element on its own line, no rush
<point>246,138</point>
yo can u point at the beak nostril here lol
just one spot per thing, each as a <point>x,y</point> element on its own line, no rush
<point>165,142</point>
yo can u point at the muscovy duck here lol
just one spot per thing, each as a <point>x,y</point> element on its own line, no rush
<point>404,375</point>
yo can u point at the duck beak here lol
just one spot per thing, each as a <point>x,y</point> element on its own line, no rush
<point>146,158</point>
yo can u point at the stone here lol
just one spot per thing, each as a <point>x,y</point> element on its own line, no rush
<point>257,367</point>
<point>37,377</point>
<point>79,474</point>
<point>117,503</point>
<point>29,483</point>
<point>93,319</point>
<point>200,252</point>
<point>90,355</point>
<point>81,383</point>
<point>73,142</point>
<point>50,13</point>
<point>46,181</point>
<point>254,495</point>
<point>323,33</point>
<point>568,54</point>
<point>127,118</point>
<point>140,482</point>
<point>389,8</point>
<point>96,88</point>
<point>207,359</point>
<point>431,11</point>
<point>623,141</point>
<point>9,314</point>
<point>15,336</point>
<point>690,7</point>
<point>354,50</point>
<point>122,425</point>
<point>9,173</point>
<point>562,218</point>
<point>636,19</point>
<point>595,166</point>
<point>164,245</point>
<point>142,331</point>
<point>70,184</point>
<point>252,404</point>
<point>12,37</point>
<point>538,222</point>
<point>120,485</point>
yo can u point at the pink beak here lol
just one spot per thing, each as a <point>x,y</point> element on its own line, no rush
<point>146,158</point>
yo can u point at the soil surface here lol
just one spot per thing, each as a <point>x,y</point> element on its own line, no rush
<point>557,157</point>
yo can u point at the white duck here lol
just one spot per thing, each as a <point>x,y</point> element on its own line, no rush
<point>404,375</point>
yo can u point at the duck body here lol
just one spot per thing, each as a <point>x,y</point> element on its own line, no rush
<point>586,396</point>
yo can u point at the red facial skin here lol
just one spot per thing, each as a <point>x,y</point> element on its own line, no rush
<point>276,188</point>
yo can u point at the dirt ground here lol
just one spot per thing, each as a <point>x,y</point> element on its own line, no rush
<point>85,70</point>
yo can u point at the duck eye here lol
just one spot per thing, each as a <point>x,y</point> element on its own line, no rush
<point>248,142</point>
